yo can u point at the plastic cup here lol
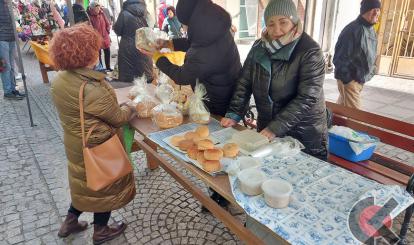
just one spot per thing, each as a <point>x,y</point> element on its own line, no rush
<point>277,192</point>
<point>251,181</point>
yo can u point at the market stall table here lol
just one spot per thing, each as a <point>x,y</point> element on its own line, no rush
<point>42,54</point>
<point>272,221</point>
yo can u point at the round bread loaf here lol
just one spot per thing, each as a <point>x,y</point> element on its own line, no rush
<point>211,166</point>
<point>213,154</point>
<point>168,121</point>
<point>230,150</point>
<point>193,152</point>
<point>175,140</point>
<point>200,157</point>
<point>205,144</point>
<point>190,135</point>
<point>184,145</point>
<point>202,131</point>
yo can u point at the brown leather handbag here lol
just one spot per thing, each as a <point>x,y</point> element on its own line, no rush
<point>104,163</point>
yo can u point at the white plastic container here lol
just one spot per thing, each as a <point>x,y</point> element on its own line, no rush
<point>251,181</point>
<point>277,192</point>
<point>249,140</point>
<point>248,162</point>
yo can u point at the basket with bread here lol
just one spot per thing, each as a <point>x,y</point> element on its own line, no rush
<point>201,150</point>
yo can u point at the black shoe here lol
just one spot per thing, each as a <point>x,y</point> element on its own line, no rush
<point>16,92</point>
<point>109,69</point>
<point>12,96</point>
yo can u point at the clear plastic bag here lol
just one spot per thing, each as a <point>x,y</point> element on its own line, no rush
<point>140,87</point>
<point>280,148</point>
<point>146,37</point>
<point>164,90</point>
<point>142,98</point>
<point>197,109</point>
<point>167,116</point>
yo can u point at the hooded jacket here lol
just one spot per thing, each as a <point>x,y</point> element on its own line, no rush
<point>211,53</point>
<point>131,62</point>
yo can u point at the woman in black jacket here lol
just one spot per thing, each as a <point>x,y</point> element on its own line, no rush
<point>131,62</point>
<point>211,53</point>
<point>285,72</point>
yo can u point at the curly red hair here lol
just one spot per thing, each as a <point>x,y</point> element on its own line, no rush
<point>75,47</point>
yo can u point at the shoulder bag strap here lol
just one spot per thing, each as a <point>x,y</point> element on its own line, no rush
<point>82,116</point>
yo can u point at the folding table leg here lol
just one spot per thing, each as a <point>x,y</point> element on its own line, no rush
<point>408,214</point>
<point>152,162</point>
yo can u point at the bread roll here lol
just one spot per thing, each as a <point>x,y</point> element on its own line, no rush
<point>231,150</point>
<point>190,135</point>
<point>211,166</point>
<point>200,157</point>
<point>197,138</point>
<point>144,109</point>
<point>203,131</point>
<point>193,152</point>
<point>205,144</point>
<point>175,140</point>
<point>213,154</point>
<point>186,144</point>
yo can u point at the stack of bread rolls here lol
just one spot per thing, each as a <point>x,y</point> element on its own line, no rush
<point>200,148</point>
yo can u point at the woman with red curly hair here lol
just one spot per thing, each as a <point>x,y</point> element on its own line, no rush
<point>74,52</point>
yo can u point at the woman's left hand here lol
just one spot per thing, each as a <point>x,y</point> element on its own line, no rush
<point>267,133</point>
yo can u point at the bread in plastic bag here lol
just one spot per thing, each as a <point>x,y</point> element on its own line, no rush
<point>198,111</point>
<point>142,98</point>
<point>164,90</point>
<point>140,87</point>
<point>167,116</point>
<point>146,37</point>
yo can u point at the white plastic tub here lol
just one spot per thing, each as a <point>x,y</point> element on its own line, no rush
<point>277,192</point>
<point>248,162</point>
<point>251,181</point>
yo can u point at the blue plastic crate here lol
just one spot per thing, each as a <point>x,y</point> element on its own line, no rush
<point>339,146</point>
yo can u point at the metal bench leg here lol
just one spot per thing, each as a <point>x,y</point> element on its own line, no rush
<point>408,214</point>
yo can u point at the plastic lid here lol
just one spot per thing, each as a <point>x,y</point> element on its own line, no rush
<point>251,176</point>
<point>277,187</point>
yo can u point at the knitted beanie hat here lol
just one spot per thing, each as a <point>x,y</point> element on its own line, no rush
<point>281,7</point>
<point>367,5</point>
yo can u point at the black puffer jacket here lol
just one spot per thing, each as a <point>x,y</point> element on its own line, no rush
<point>212,54</point>
<point>288,94</point>
<point>131,62</point>
<point>79,13</point>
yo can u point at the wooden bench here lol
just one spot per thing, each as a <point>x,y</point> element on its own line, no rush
<point>379,167</point>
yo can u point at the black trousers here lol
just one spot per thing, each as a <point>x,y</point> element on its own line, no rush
<point>98,218</point>
<point>107,57</point>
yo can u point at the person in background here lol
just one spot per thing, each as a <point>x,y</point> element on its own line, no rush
<point>103,27</point>
<point>75,61</point>
<point>171,24</point>
<point>162,13</point>
<point>79,13</point>
<point>131,62</point>
<point>285,72</point>
<point>211,56</point>
<point>356,53</point>
<point>7,50</point>
<point>108,14</point>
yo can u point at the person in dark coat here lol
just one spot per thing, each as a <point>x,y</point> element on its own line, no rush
<point>171,24</point>
<point>284,71</point>
<point>211,53</point>
<point>79,13</point>
<point>131,62</point>
<point>356,53</point>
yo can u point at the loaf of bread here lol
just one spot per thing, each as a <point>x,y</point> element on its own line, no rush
<point>144,108</point>
<point>205,144</point>
<point>213,154</point>
<point>164,120</point>
<point>200,157</point>
<point>211,166</point>
<point>190,135</point>
<point>231,150</point>
<point>193,153</point>
<point>185,145</point>
<point>175,140</point>
<point>202,131</point>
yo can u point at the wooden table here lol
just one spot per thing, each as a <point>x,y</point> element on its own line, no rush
<point>218,183</point>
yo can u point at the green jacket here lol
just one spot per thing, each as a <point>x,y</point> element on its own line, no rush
<point>101,106</point>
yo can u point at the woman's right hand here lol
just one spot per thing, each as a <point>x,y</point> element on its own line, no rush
<point>227,122</point>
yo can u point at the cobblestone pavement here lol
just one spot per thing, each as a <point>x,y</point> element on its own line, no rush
<point>34,194</point>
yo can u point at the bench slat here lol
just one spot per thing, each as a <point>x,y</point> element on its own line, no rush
<point>361,170</point>
<point>393,164</point>
<point>373,119</point>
